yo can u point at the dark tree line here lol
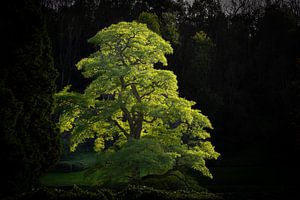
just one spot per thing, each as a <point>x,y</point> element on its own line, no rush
<point>30,143</point>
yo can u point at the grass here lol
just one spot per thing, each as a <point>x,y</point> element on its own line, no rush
<point>65,179</point>
<point>59,179</point>
<point>88,158</point>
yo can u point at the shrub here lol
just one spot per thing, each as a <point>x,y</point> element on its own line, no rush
<point>131,192</point>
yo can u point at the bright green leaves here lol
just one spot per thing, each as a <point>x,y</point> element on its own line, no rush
<point>128,44</point>
<point>99,144</point>
<point>135,107</point>
<point>66,119</point>
<point>201,37</point>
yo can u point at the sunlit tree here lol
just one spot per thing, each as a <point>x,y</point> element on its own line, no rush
<point>133,110</point>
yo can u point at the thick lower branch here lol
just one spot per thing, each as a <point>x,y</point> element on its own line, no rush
<point>135,93</point>
<point>150,121</point>
<point>129,118</point>
<point>120,127</point>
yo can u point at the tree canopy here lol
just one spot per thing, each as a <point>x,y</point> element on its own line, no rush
<point>133,110</point>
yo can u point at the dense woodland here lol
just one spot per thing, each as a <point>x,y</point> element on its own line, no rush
<point>239,60</point>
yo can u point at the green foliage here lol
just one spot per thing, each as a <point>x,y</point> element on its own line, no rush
<point>199,72</point>
<point>169,27</point>
<point>143,192</point>
<point>203,49</point>
<point>166,25</point>
<point>145,155</point>
<point>142,114</point>
<point>151,20</point>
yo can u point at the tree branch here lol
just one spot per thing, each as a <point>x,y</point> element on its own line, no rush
<point>120,127</point>
<point>148,93</point>
<point>151,121</point>
<point>135,93</point>
<point>128,117</point>
<point>123,85</point>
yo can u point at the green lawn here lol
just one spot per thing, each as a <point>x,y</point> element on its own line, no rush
<point>70,178</point>
<point>65,179</point>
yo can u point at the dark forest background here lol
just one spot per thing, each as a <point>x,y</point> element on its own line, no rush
<point>243,70</point>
